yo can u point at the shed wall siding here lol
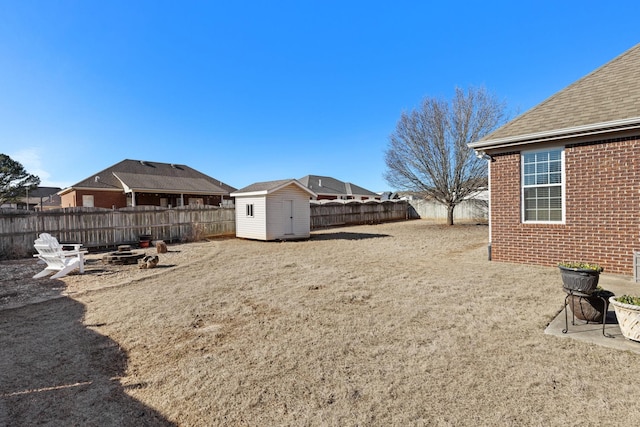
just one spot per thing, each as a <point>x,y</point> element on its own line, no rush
<point>251,227</point>
<point>276,216</point>
<point>602,207</point>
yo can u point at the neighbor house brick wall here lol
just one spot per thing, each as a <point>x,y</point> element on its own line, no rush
<point>173,199</point>
<point>68,200</point>
<point>109,199</point>
<point>101,199</point>
<point>602,209</point>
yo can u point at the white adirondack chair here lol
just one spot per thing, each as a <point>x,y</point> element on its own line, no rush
<point>50,252</point>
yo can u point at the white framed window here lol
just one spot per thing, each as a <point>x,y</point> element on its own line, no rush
<point>543,195</point>
<point>249,209</point>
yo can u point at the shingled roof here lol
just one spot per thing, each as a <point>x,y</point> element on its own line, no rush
<point>606,100</point>
<point>330,186</point>
<point>267,187</point>
<point>145,176</point>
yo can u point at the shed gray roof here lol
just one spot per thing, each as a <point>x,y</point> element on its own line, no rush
<point>141,175</point>
<point>331,186</point>
<point>267,187</point>
<point>606,99</point>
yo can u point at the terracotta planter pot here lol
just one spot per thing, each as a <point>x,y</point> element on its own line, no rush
<point>579,280</point>
<point>145,240</point>
<point>591,308</point>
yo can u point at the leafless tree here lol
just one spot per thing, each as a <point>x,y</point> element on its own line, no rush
<point>428,151</point>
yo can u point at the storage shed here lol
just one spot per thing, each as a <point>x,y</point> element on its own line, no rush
<point>273,210</point>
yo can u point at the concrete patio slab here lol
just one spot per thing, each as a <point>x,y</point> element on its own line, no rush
<point>592,332</point>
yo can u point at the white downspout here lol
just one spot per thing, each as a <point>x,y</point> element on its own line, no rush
<point>489,205</point>
<point>489,159</point>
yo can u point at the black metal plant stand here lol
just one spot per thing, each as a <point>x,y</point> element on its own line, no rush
<point>571,293</point>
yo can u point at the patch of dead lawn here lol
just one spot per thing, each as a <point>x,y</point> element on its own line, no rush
<point>394,324</point>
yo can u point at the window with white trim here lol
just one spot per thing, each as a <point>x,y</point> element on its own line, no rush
<point>543,185</point>
<point>250,209</point>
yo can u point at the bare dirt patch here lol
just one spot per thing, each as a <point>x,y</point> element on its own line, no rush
<point>394,324</point>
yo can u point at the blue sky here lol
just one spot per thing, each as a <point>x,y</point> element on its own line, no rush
<point>249,91</point>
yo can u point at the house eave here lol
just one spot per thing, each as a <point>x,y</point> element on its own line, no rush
<point>143,190</point>
<point>176,191</point>
<point>558,134</point>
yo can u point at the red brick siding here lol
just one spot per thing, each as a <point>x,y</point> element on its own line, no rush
<point>101,199</point>
<point>602,209</point>
<point>150,199</point>
<point>109,199</point>
<point>68,200</point>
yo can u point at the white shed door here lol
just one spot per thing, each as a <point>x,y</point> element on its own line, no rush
<point>287,209</point>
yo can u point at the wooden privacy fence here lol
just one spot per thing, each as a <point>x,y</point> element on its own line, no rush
<point>104,228</point>
<point>97,227</point>
<point>337,213</point>
<point>467,210</point>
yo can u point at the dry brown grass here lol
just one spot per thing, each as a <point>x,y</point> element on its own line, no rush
<point>393,324</point>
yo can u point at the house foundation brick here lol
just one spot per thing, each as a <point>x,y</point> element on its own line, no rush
<point>602,209</point>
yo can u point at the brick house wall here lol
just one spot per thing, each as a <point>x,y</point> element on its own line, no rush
<point>68,200</point>
<point>109,199</point>
<point>602,209</point>
<point>173,199</point>
<point>101,199</point>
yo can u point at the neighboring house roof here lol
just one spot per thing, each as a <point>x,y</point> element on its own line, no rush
<point>42,196</point>
<point>605,100</point>
<point>268,187</point>
<point>144,176</point>
<point>51,201</point>
<point>325,185</point>
<point>43,192</point>
<point>45,197</point>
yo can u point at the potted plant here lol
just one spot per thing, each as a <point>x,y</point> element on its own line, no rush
<point>579,276</point>
<point>591,308</point>
<point>145,240</point>
<point>627,310</point>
